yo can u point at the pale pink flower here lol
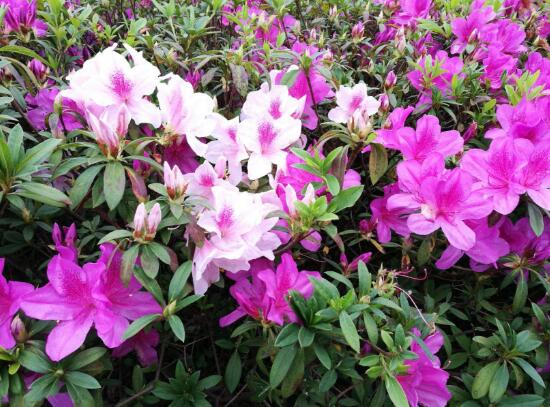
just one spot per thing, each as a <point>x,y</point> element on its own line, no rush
<point>109,80</point>
<point>353,103</point>
<point>186,113</point>
<point>275,103</point>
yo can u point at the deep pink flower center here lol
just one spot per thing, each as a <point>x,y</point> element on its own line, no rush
<point>121,86</point>
<point>266,134</point>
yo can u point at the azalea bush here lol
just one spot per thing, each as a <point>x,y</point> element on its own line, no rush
<point>280,203</point>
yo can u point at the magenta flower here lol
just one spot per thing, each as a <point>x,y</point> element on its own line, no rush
<point>504,36</point>
<point>79,297</point>
<point>445,202</point>
<point>65,245</point>
<point>435,72</point>
<point>412,10</point>
<point>426,382</point>
<point>533,250</point>
<point>496,63</point>
<point>388,219</point>
<point>11,295</point>
<point>21,17</point>
<point>41,105</point>
<point>144,344</point>
<point>179,153</point>
<point>387,136</point>
<point>488,248</point>
<point>265,298</point>
<point>525,120</point>
<point>467,29</point>
<point>426,139</point>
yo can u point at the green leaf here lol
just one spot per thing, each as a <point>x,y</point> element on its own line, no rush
<point>327,381</point>
<point>281,365</point>
<point>378,162</point>
<point>82,380</point>
<point>365,278</point>
<point>523,400</point>
<point>16,49</point>
<point>349,330</point>
<point>530,370</point>
<point>483,380</point>
<point>83,184</point>
<point>80,396</point>
<point>138,325</point>
<point>161,252</point>
<point>305,337</point>
<point>178,280</point>
<point>84,358</point>
<point>294,378</point>
<point>536,219</point>
<point>345,199</point>
<point>114,182</point>
<point>233,372</point>
<point>287,336</point>
<point>34,360</point>
<point>128,261</point>
<point>395,391</point>
<point>520,297</point>
<point>37,154</point>
<point>372,327</point>
<point>115,235</point>
<point>322,355</point>
<point>500,383</point>
<point>289,77</point>
<point>333,184</point>
<point>15,142</point>
<point>41,388</point>
<point>177,327</point>
<point>43,193</point>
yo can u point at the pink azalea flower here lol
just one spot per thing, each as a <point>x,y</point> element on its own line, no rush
<point>467,30</point>
<point>20,17</point>
<point>504,36</point>
<point>499,171</point>
<point>79,297</point>
<point>275,102</point>
<point>267,140</point>
<point>144,343</point>
<point>239,231</point>
<point>12,294</point>
<point>437,72</point>
<point>265,297</point>
<point>537,63</point>
<point>535,176</point>
<point>426,382</point>
<point>65,245</point>
<point>186,113</point>
<point>108,79</point>
<point>387,136</point>
<point>353,103</point>
<point>525,120</point>
<point>205,177</point>
<point>388,219</point>
<point>428,138</point>
<point>488,248</point>
<point>412,10</point>
<point>496,63</point>
<point>533,250</point>
<point>445,202</point>
<point>227,145</point>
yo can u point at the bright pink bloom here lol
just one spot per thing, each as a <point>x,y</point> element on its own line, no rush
<point>144,343</point>
<point>21,17</point>
<point>353,103</point>
<point>426,382</point>
<point>186,113</point>
<point>428,138</point>
<point>109,80</point>
<point>496,63</point>
<point>504,36</point>
<point>79,297</point>
<point>11,295</point>
<point>387,136</point>
<point>528,120</point>
<point>65,245</point>
<point>388,219</point>
<point>467,30</point>
<point>412,10</point>
<point>533,250</point>
<point>445,202</point>
<point>179,153</point>
<point>488,248</point>
<point>265,298</point>
<point>41,105</point>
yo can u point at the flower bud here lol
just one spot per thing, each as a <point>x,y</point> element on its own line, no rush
<point>470,132</point>
<point>391,80</point>
<point>139,220</point>
<point>174,181</point>
<point>332,12</point>
<point>39,70</point>
<point>358,31</point>
<point>18,330</point>
<point>153,220</point>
